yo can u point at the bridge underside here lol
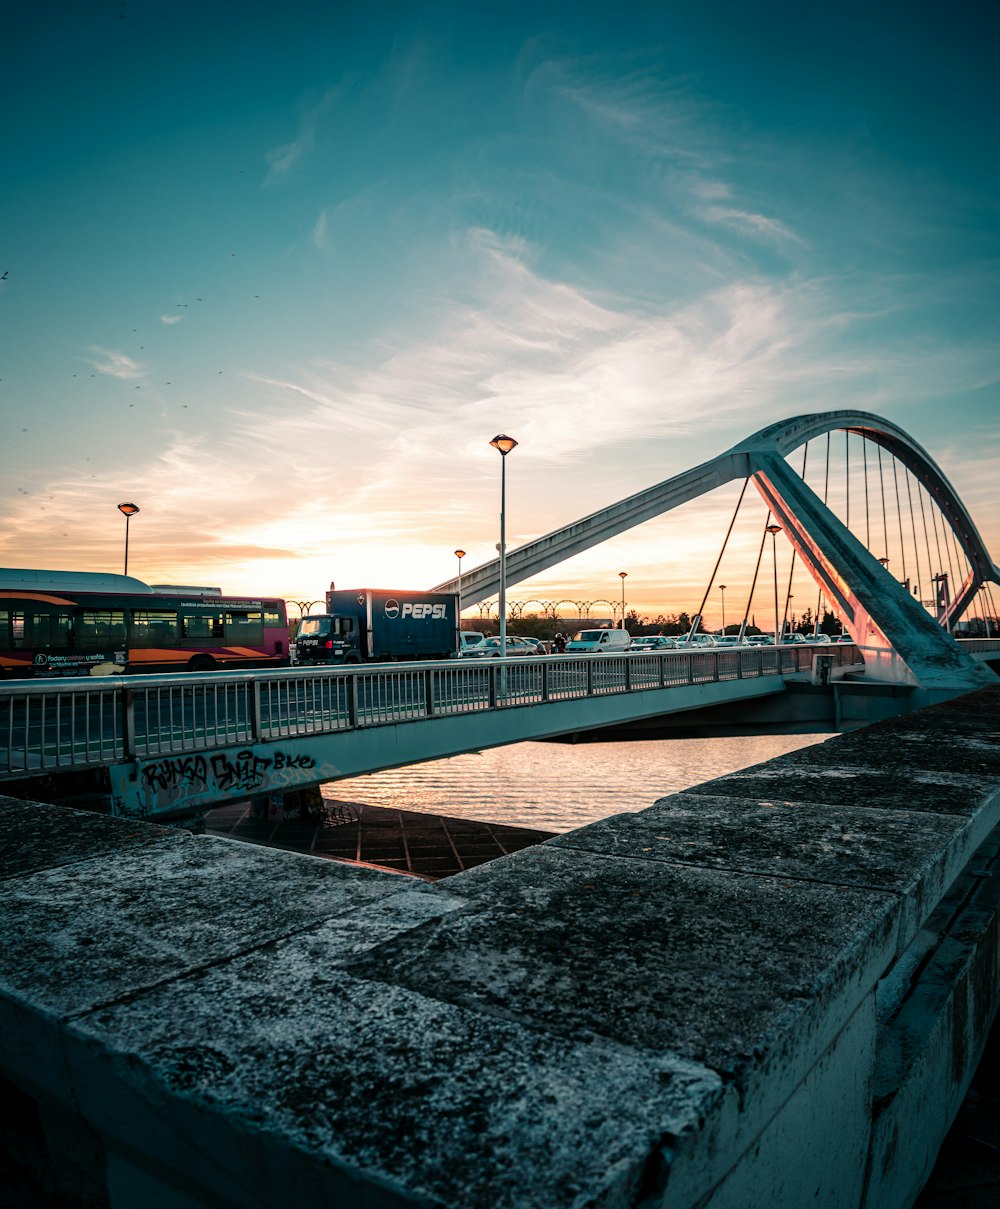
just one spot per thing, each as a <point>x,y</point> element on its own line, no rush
<point>187,784</point>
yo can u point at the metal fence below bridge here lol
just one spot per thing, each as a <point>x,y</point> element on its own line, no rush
<point>55,725</point>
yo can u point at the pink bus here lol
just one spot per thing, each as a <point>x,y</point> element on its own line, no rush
<point>79,623</point>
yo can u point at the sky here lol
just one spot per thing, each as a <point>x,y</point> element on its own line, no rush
<point>278,274</point>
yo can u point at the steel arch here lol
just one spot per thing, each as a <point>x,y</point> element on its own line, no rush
<point>738,462</point>
<point>876,608</point>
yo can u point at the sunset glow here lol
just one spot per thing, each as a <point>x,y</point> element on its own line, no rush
<point>280,279</point>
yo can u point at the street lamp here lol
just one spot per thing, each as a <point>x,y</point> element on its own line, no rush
<point>773,529</point>
<point>722,589</point>
<point>128,511</point>
<point>621,576</point>
<point>460,554</point>
<point>884,561</point>
<point>503,444</point>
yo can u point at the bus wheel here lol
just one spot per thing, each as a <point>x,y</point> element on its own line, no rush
<point>202,663</point>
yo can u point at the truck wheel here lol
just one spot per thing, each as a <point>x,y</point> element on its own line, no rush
<point>352,658</point>
<point>202,663</point>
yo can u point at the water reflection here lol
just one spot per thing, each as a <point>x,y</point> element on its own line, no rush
<point>557,786</point>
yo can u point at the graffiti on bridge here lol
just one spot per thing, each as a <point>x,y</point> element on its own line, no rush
<point>175,778</point>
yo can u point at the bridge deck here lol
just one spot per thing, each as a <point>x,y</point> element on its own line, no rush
<point>176,745</point>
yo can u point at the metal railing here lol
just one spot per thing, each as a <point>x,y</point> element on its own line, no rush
<point>73,723</point>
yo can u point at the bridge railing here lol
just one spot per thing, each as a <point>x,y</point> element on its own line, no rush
<point>72,723</point>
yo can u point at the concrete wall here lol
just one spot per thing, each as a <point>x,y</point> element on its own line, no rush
<point>770,989</point>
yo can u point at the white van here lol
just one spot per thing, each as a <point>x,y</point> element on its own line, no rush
<point>602,642</point>
<point>471,642</point>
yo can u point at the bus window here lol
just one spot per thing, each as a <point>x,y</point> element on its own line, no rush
<point>100,628</point>
<point>154,627</point>
<point>272,619</point>
<point>12,628</point>
<point>244,627</point>
<point>201,627</point>
<point>49,631</point>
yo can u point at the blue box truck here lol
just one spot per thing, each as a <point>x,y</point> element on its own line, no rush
<point>367,625</point>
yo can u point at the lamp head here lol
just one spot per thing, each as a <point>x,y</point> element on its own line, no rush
<point>504,443</point>
<point>128,509</point>
<point>622,574</point>
<point>460,554</point>
<point>773,529</point>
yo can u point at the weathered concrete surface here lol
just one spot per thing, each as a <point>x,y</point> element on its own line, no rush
<point>36,836</point>
<point>772,986</point>
<point>912,854</point>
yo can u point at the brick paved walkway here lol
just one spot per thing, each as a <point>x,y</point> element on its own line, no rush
<point>423,845</point>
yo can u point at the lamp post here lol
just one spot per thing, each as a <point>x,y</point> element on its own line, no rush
<point>773,529</point>
<point>722,589</point>
<point>460,554</point>
<point>622,575</point>
<point>503,444</point>
<point>128,511</point>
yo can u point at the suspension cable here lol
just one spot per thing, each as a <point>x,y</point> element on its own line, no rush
<point>826,485</point>
<point>916,544</point>
<point>927,540</point>
<point>899,518</point>
<point>954,581</point>
<point>791,566</point>
<point>721,552</point>
<point>756,572</point>
<point>881,484</point>
<point>937,545</point>
<point>992,607</point>
<point>960,558</point>
<point>847,476</point>
<point>868,533</point>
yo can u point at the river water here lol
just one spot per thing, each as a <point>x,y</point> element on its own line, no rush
<point>559,786</point>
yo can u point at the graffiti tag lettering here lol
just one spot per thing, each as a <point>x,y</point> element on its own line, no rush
<point>178,772</point>
<point>245,772</point>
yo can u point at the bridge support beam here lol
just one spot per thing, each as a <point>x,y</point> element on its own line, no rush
<point>877,610</point>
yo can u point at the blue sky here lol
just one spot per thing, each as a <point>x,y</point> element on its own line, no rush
<point>278,274</point>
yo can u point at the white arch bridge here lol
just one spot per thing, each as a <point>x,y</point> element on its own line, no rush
<point>874,607</point>
<point>179,744</point>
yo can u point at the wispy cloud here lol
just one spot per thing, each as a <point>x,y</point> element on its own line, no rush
<point>750,223</point>
<point>115,364</point>
<point>284,157</point>
<point>169,320</point>
<point>319,230</point>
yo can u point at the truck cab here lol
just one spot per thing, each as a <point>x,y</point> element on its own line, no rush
<point>323,638</point>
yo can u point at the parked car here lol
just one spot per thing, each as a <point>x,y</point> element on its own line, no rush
<point>535,645</point>
<point>727,640</point>
<point>759,640</point>
<point>490,648</point>
<point>697,640</point>
<point>653,642</point>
